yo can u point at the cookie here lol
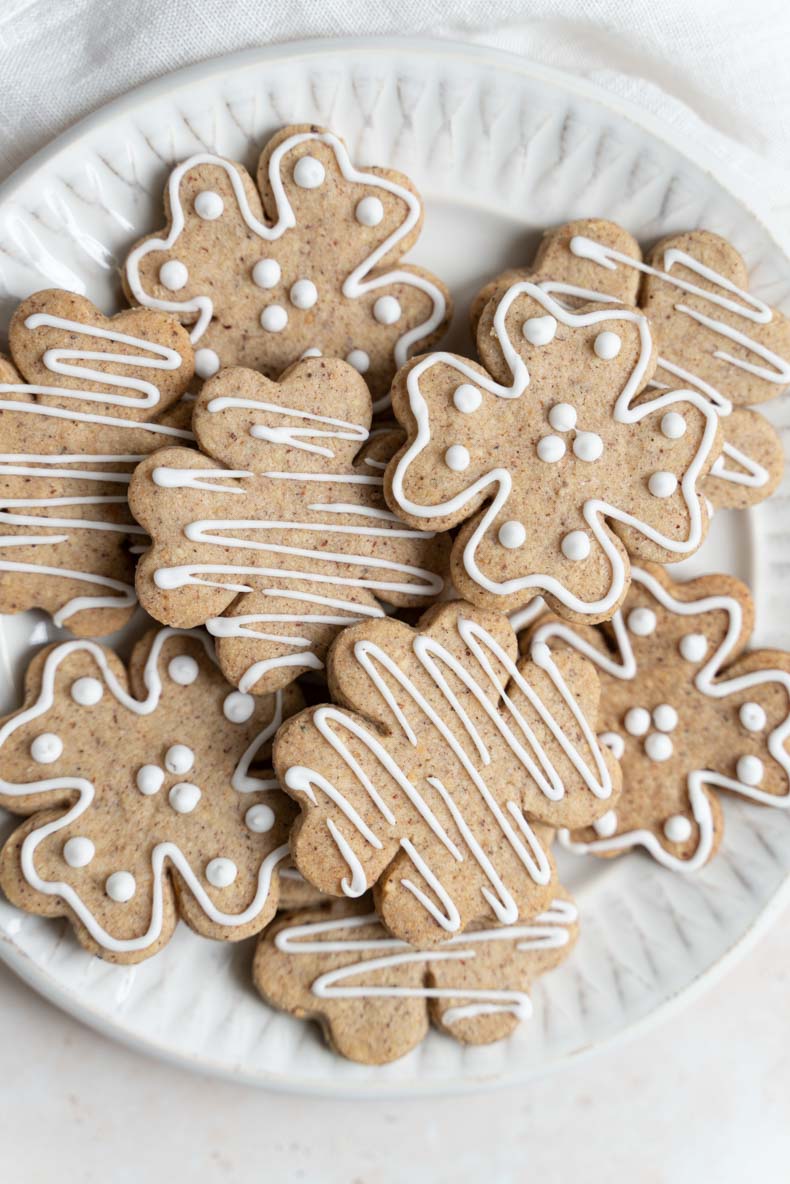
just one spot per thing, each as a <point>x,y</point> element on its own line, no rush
<point>686,711</point>
<point>146,796</point>
<point>85,398</point>
<point>714,336</point>
<point>431,778</point>
<point>551,455</point>
<point>276,534</point>
<point>311,265</point>
<point>374,996</point>
<point>296,893</point>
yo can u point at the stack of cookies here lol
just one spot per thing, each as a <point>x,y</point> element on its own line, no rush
<point>404,618</point>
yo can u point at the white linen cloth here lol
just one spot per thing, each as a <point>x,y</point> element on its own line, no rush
<point>717,69</point>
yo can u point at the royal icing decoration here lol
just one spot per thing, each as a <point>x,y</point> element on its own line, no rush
<point>104,383</point>
<point>710,716</point>
<point>124,761</point>
<point>370,219</point>
<point>292,540</point>
<point>455,749</point>
<point>584,569</point>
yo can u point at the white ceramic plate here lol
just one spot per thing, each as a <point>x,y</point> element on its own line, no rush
<point>499,149</point>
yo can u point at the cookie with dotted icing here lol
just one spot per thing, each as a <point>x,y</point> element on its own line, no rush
<point>552,455</point>
<point>148,795</point>
<point>435,774</point>
<point>84,399</point>
<point>714,336</point>
<point>276,534</point>
<point>687,711</point>
<point>310,265</point>
<point>375,996</point>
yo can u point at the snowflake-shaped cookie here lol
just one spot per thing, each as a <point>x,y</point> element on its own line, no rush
<point>276,534</point>
<point>685,711</point>
<point>145,794</point>
<point>427,779</point>
<point>76,414</point>
<point>714,336</point>
<point>374,995</point>
<point>576,468</point>
<point>312,265</point>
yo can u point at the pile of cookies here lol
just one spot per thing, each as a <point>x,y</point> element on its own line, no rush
<point>409,619</point>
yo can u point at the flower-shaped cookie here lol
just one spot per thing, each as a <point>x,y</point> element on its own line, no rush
<point>426,780</point>
<point>145,796</point>
<point>576,468</point>
<point>374,995</point>
<point>714,336</point>
<point>76,414</point>
<point>312,265</point>
<point>277,534</point>
<point>685,711</point>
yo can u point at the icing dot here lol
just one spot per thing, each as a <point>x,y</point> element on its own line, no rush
<point>752,716</point>
<point>206,363</point>
<point>637,721</point>
<point>310,353</point>
<point>539,330</point>
<point>607,345</point>
<point>274,318</point>
<point>78,851</point>
<point>149,779</point>
<point>658,746</point>
<point>613,742</point>
<point>677,828</point>
<point>387,310</point>
<point>369,211</point>
<point>551,448</point>
<point>87,691</point>
<point>665,718</point>
<point>467,398</point>
<point>179,759</point>
<point>457,458</point>
<point>120,887</point>
<point>266,273</point>
<point>575,545</point>
<point>183,669</point>
<point>749,770</point>
<point>662,484</point>
<point>642,621</point>
<point>606,825</point>
<point>209,205</point>
<point>259,819</point>
<point>693,647</point>
<point>184,797</point>
<point>588,446</point>
<point>173,275</point>
<point>46,748</point>
<point>221,872</point>
<point>562,417</point>
<point>309,173</point>
<point>359,360</point>
<point>512,534</point>
<point>673,425</point>
<point>303,294</point>
<point>238,707</point>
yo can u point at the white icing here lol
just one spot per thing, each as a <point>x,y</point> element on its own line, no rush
<point>179,759</point>
<point>512,534</point>
<point>642,621</point>
<point>173,275</point>
<point>539,330</point>
<point>637,721</point>
<point>588,446</point>
<point>467,398</point>
<point>311,353</point>
<point>207,363</point>
<point>607,345</point>
<point>662,484</point>
<point>750,770</point>
<point>183,669</point>
<point>614,743</point>
<point>238,707</point>
<point>562,417</point>
<point>86,691</point>
<point>369,211</point>
<point>665,717</point>
<point>309,173</point>
<point>184,797</point>
<point>359,360</point>
<point>457,458</point>
<point>221,872</point>
<point>303,294</point>
<point>606,825</point>
<point>658,747</point>
<point>266,273</point>
<point>120,887</point>
<point>209,205</point>
<point>575,545</point>
<point>150,779</point>
<point>551,448</point>
<point>46,748</point>
<point>274,318</point>
<point>78,851</point>
<point>673,425</point>
<point>678,828</point>
<point>753,717</point>
<point>693,647</point>
<point>387,310</point>
<point>260,819</point>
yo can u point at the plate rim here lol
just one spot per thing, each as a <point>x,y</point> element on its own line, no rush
<point>698,154</point>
